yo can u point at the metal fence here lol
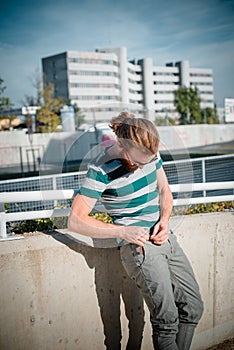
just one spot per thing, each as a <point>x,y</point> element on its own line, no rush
<point>12,197</point>
<point>198,170</point>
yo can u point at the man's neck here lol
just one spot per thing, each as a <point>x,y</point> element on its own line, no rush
<point>114,152</point>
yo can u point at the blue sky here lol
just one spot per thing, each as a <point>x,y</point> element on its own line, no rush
<point>199,31</point>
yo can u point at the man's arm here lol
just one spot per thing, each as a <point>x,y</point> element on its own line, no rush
<point>161,229</point>
<point>80,221</point>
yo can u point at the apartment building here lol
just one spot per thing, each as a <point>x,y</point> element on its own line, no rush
<point>104,82</point>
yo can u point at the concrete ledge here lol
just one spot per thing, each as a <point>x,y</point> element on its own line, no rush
<point>57,293</point>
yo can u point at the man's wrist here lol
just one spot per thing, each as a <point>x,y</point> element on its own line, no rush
<point>121,232</point>
<point>164,222</point>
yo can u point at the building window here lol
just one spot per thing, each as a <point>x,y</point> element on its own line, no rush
<point>95,98</point>
<point>93,73</point>
<point>205,75</point>
<point>166,82</point>
<point>201,84</point>
<point>94,85</point>
<point>92,61</point>
<point>165,74</point>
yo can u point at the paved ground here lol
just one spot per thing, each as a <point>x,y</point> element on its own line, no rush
<point>227,345</point>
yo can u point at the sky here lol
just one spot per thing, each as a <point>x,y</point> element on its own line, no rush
<point>201,31</point>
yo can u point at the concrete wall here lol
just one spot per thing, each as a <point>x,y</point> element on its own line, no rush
<point>53,148</point>
<point>57,293</point>
<point>187,136</point>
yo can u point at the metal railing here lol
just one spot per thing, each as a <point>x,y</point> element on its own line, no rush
<point>195,170</point>
<point>184,189</point>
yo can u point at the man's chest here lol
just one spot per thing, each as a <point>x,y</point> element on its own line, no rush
<point>136,183</point>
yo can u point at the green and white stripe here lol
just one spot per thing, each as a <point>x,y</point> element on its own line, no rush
<point>132,198</point>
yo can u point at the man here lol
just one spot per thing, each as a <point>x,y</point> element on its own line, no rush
<point>129,179</point>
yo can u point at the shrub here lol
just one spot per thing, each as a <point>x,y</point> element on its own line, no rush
<point>50,224</point>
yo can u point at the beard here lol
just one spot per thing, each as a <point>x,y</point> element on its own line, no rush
<point>127,164</point>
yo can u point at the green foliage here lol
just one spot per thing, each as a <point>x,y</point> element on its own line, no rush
<point>102,217</point>
<point>5,103</point>
<point>209,116</point>
<point>6,207</point>
<point>181,103</point>
<point>187,103</point>
<point>171,121</point>
<point>48,116</point>
<point>51,224</point>
<point>32,226</point>
<point>79,117</point>
<point>203,208</point>
<point>161,121</point>
<point>49,113</point>
<point>195,111</point>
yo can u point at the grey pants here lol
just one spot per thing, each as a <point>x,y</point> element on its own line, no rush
<point>167,282</point>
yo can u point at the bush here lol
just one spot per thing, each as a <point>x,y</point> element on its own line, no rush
<point>32,226</point>
<point>56,223</point>
<point>203,208</point>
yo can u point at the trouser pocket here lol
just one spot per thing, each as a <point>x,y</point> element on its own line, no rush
<point>132,259</point>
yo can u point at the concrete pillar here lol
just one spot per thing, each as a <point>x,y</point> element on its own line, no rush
<point>184,73</point>
<point>148,87</point>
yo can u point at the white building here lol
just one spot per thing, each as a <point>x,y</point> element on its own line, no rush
<point>105,82</point>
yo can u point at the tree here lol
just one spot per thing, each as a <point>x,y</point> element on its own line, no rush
<point>79,117</point>
<point>209,116</point>
<point>181,103</point>
<point>161,121</point>
<point>187,103</point>
<point>48,116</point>
<point>29,101</point>
<point>36,81</point>
<point>5,103</point>
<point>5,106</point>
<point>195,106</point>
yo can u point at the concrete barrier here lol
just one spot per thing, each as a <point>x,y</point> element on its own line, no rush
<point>57,293</point>
<point>53,148</point>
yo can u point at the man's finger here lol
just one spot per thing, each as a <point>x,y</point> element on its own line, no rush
<point>155,231</point>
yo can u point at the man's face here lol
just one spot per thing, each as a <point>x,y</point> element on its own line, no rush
<point>135,158</point>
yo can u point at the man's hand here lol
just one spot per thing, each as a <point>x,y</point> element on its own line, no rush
<point>160,234</point>
<point>135,234</point>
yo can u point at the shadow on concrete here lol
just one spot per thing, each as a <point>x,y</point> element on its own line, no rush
<point>112,283</point>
